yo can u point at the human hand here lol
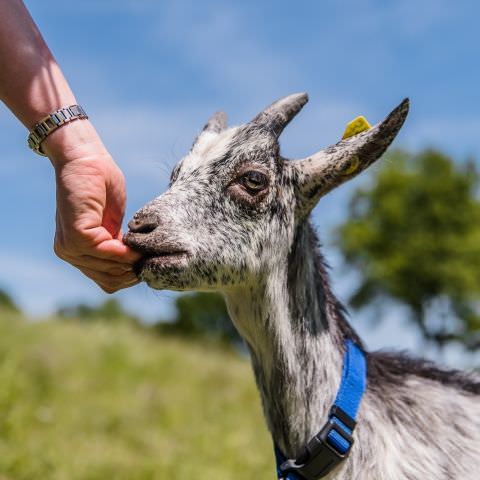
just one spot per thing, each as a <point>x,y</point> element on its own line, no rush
<point>90,207</point>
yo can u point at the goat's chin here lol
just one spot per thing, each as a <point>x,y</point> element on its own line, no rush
<point>183,271</point>
<point>170,272</point>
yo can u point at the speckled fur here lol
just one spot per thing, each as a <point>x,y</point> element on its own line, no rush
<point>416,421</point>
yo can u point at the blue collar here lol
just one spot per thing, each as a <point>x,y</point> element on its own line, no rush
<point>333,443</point>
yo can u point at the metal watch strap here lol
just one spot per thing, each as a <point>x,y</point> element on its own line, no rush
<point>50,123</point>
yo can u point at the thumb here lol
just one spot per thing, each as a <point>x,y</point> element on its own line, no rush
<point>115,202</point>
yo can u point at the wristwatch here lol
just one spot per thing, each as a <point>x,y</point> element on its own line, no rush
<point>50,123</point>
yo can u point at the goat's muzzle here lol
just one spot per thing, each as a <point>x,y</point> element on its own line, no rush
<point>145,236</point>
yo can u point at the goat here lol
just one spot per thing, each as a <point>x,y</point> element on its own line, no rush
<point>235,219</point>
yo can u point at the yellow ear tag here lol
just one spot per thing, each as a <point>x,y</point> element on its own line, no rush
<point>356,126</point>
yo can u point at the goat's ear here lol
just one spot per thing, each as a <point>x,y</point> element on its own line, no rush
<point>320,173</point>
<point>279,114</point>
<point>216,123</point>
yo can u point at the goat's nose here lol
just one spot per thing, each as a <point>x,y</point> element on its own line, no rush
<point>142,224</point>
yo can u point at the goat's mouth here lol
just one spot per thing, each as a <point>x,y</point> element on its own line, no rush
<point>156,257</point>
<point>164,259</point>
<point>160,262</point>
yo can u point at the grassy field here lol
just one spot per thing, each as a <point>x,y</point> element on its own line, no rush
<point>97,401</point>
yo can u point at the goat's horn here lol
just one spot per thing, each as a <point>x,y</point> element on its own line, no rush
<point>336,164</point>
<point>216,123</point>
<point>279,114</point>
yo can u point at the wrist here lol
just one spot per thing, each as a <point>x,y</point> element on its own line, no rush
<point>72,141</point>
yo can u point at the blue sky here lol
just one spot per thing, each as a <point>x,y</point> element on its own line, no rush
<point>150,73</point>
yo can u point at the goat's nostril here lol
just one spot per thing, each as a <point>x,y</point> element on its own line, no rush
<point>142,225</point>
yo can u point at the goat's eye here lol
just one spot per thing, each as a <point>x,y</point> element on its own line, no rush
<point>254,181</point>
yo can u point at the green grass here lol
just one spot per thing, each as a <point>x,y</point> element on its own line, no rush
<point>112,402</point>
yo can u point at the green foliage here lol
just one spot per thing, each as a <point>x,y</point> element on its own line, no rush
<point>101,400</point>
<point>414,236</point>
<point>201,314</point>
<point>7,303</point>
<point>110,310</point>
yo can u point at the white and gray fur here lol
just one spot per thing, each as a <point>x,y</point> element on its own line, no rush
<point>210,231</point>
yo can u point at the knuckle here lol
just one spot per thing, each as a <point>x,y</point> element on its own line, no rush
<point>108,288</point>
<point>109,285</point>
<point>65,247</point>
<point>59,250</point>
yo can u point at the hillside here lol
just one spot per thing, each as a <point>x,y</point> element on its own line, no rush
<point>97,401</point>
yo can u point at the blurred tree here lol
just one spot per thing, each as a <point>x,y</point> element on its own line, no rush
<point>7,303</point>
<point>110,310</point>
<point>414,237</point>
<point>197,315</point>
<point>201,314</point>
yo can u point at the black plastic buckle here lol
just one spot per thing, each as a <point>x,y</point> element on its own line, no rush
<point>320,457</point>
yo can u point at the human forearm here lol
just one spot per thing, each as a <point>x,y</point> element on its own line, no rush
<point>31,83</point>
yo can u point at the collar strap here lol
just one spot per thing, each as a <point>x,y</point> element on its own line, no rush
<point>333,443</point>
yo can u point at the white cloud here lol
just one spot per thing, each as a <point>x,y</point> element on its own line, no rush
<point>218,41</point>
<point>148,141</point>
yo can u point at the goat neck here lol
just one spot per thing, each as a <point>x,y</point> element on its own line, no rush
<point>295,330</point>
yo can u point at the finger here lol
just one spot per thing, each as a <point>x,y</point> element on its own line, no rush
<point>110,283</point>
<point>112,219</point>
<point>100,264</point>
<point>116,199</point>
<point>106,278</point>
<point>116,288</point>
<point>115,250</point>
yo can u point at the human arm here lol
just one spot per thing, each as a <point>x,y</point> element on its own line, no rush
<point>90,186</point>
